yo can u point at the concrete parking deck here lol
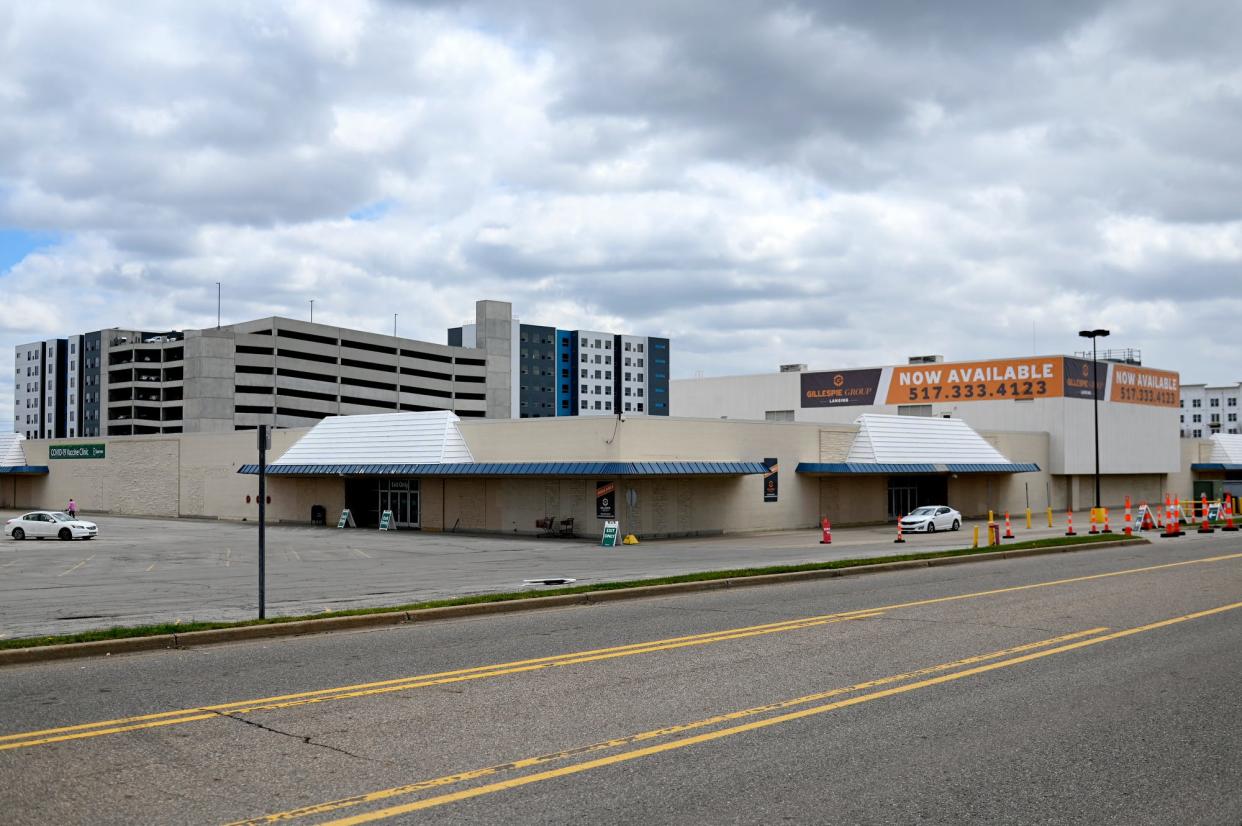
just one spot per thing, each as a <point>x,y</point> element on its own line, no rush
<point>157,570</point>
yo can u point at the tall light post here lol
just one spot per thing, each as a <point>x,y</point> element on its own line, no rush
<point>312,318</point>
<point>1095,400</point>
<point>217,305</point>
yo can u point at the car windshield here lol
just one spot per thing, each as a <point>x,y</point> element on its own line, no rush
<point>923,512</point>
<point>61,517</point>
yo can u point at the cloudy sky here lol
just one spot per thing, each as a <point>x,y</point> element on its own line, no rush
<point>841,184</point>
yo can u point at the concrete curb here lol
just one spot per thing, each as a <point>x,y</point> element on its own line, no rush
<point>215,636</point>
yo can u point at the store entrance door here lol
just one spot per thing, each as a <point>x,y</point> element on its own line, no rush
<point>401,497</point>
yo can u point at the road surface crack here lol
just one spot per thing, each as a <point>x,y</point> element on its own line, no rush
<point>306,739</point>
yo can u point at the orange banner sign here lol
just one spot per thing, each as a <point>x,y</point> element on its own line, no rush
<point>1032,378</point>
<point>1143,385</point>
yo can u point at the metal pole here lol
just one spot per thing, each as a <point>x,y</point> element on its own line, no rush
<point>1095,400</point>
<point>262,521</point>
<point>396,349</point>
<point>217,305</point>
<point>312,318</point>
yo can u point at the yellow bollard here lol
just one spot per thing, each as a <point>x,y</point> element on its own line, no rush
<point>990,518</point>
<point>975,543</point>
<point>1028,519</point>
<point>1050,517</point>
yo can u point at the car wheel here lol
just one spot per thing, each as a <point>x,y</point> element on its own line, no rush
<point>18,533</point>
<point>931,526</point>
<point>956,525</point>
<point>65,533</point>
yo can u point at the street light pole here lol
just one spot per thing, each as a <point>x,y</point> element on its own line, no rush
<point>1095,400</point>
<point>312,318</point>
<point>217,305</point>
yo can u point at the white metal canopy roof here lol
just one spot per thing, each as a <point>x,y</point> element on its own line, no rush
<point>11,452</point>
<point>381,439</point>
<point>1226,448</point>
<point>896,440</point>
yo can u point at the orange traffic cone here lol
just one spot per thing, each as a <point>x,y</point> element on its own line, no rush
<point>899,540</point>
<point>1129,528</point>
<point>1008,528</point>
<point>826,527</point>
<point>1205,524</point>
<point>1229,526</point>
<point>1107,527</point>
<point>1069,523</point>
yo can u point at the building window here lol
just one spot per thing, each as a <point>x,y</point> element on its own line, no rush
<point>1197,433</point>
<point>1216,418</point>
<point>608,374</point>
<point>1232,401</point>
<point>597,405</point>
<point>1213,402</point>
<point>627,391</point>
<point>638,347</point>
<point>1233,417</point>
<point>640,392</point>
<point>627,346</point>
<point>584,373</point>
<point>1182,418</point>
<point>584,404</point>
<point>1196,403</point>
<point>1196,418</point>
<point>627,407</point>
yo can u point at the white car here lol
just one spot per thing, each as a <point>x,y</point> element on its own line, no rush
<point>932,518</point>
<point>40,524</point>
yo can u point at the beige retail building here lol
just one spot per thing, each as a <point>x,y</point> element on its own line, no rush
<point>657,477</point>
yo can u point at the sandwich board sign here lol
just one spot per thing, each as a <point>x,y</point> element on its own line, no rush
<point>609,539</point>
<point>347,518</point>
<point>386,522</point>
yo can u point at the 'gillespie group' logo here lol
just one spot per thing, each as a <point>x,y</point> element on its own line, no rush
<point>838,380</point>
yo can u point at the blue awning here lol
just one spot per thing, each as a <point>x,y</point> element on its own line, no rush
<point>520,469</point>
<point>25,470</point>
<point>1221,466</point>
<point>835,468</point>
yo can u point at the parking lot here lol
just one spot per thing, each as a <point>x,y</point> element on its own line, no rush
<point>158,570</point>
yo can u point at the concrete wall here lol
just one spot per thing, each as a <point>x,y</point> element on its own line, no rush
<point>174,475</point>
<point>207,404</point>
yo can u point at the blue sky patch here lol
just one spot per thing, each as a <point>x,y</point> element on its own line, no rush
<point>16,244</point>
<point>373,212</point>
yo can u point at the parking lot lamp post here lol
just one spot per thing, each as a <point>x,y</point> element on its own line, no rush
<point>1095,400</point>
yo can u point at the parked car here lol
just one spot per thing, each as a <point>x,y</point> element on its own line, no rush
<point>41,524</point>
<point>932,518</point>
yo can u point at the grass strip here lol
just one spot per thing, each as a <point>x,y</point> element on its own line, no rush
<point>122,632</point>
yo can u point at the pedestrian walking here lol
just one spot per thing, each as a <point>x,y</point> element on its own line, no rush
<point>72,510</point>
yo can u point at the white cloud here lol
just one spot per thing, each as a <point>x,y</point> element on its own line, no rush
<point>829,183</point>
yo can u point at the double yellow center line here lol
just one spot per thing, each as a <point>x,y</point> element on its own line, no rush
<point>1033,651</point>
<point>209,712</point>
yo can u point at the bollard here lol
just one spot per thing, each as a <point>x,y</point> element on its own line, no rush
<point>991,519</point>
<point>1028,519</point>
<point>899,540</point>
<point>826,527</point>
<point>1050,517</point>
<point>1008,527</point>
<point>1129,528</point>
<point>1069,523</point>
<point>975,543</point>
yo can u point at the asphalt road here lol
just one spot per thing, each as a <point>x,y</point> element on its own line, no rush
<point>152,570</point>
<point>1098,687</point>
